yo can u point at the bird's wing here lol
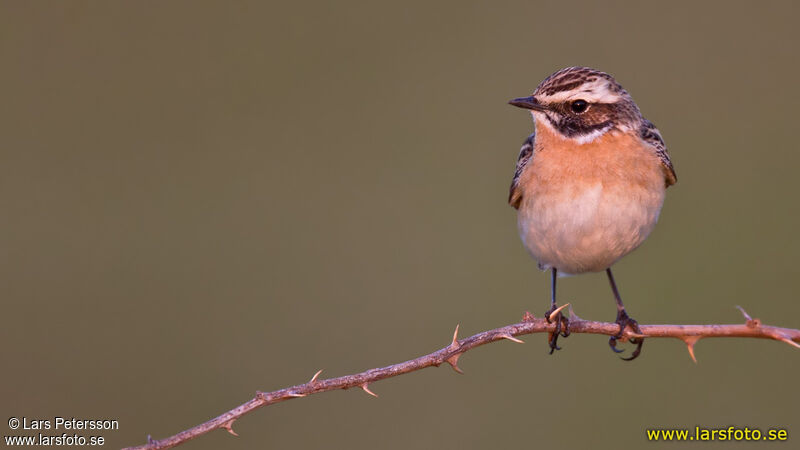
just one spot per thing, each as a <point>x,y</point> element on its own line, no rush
<point>652,136</point>
<point>525,155</point>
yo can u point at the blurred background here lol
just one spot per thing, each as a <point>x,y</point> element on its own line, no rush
<point>199,200</point>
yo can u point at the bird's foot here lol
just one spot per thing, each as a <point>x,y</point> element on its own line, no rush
<point>624,321</point>
<point>562,326</point>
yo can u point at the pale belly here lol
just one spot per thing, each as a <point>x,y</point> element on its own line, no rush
<point>588,228</point>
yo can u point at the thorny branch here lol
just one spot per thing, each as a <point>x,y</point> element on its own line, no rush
<point>689,334</point>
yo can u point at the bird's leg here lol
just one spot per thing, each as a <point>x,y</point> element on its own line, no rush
<point>562,323</point>
<point>623,320</point>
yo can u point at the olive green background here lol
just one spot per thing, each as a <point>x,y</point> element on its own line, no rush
<point>199,200</point>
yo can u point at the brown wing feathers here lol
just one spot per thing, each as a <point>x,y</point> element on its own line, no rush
<point>652,136</point>
<point>525,155</point>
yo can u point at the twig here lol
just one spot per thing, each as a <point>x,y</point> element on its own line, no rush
<point>689,334</point>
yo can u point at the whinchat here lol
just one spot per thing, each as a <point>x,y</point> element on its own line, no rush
<point>589,182</point>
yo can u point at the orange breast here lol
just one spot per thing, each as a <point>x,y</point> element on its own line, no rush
<point>613,158</point>
<point>585,206</point>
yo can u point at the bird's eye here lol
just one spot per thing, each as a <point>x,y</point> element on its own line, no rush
<point>579,106</point>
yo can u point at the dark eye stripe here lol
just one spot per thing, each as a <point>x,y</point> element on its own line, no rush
<point>579,106</point>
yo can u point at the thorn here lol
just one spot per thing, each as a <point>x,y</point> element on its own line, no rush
<point>229,426</point>
<point>690,347</point>
<point>558,310</point>
<point>453,361</point>
<point>314,378</point>
<point>150,440</point>
<point>789,341</point>
<point>365,387</point>
<point>744,313</point>
<point>572,316</point>
<point>690,341</point>
<point>295,395</point>
<point>751,323</point>
<point>511,338</point>
<point>455,343</point>
<point>528,317</point>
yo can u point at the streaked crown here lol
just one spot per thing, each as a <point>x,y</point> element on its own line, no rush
<point>582,103</point>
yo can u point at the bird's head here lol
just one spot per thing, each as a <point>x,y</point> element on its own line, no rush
<point>581,104</point>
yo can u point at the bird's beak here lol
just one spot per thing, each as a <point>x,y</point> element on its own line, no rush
<point>527,103</point>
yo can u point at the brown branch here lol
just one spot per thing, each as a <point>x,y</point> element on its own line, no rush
<point>689,334</point>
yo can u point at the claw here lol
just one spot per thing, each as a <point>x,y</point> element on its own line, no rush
<point>612,342</point>
<point>635,354</point>
<point>624,321</point>
<point>559,330</point>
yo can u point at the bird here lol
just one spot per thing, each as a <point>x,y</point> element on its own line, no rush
<point>589,183</point>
